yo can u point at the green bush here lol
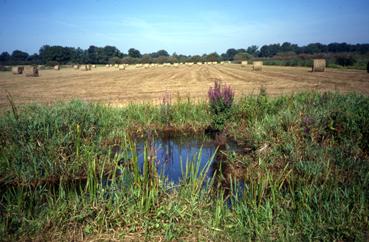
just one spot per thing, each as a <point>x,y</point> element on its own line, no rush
<point>345,60</point>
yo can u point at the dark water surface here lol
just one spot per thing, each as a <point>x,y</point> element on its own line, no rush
<point>172,153</point>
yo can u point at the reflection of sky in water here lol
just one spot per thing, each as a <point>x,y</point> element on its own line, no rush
<point>170,152</point>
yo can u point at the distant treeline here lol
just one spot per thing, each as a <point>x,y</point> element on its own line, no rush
<point>340,53</point>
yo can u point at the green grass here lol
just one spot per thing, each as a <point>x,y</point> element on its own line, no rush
<point>305,172</point>
<point>360,63</point>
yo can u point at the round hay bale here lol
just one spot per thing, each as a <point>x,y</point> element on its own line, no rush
<point>85,67</point>
<point>107,66</point>
<point>76,67</point>
<point>57,67</point>
<point>93,66</point>
<point>257,65</point>
<point>319,65</point>
<point>121,67</point>
<point>31,71</point>
<point>17,70</point>
<point>244,63</point>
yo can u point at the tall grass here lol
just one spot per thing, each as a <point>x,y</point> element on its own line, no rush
<point>304,158</point>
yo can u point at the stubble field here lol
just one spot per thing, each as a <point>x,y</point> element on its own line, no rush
<point>111,86</point>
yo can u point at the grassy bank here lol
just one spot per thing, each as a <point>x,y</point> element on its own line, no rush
<point>304,167</point>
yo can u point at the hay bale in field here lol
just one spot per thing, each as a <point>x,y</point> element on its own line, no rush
<point>93,66</point>
<point>121,67</point>
<point>107,65</point>
<point>244,63</point>
<point>85,67</point>
<point>319,65</point>
<point>257,65</point>
<point>76,67</point>
<point>31,71</point>
<point>17,70</point>
<point>57,67</point>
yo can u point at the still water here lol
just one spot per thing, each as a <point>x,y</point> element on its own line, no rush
<point>172,153</point>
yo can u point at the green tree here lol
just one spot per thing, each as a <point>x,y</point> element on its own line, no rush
<point>270,50</point>
<point>195,58</point>
<point>92,54</point>
<point>252,50</point>
<point>4,58</point>
<point>212,57</point>
<point>59,54</point>
<point>146,58</point>
<point>134,53</point>
<point>230,54</point>
<point>34,59</point>
<point>19,56</point>
<point>242,56</point>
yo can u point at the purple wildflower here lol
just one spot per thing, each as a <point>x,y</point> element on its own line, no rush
<point>219,95</point>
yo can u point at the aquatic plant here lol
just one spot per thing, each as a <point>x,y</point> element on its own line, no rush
<point>220,102</point>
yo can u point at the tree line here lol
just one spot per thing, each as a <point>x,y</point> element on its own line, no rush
<point>52,55</point>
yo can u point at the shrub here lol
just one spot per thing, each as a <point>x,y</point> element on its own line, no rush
<point>345,60</point>
<point>220,102</point>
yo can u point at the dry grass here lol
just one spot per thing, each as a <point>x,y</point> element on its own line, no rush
<point>109,85</point>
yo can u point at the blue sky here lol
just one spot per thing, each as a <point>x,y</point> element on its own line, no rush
<point>188,27</point>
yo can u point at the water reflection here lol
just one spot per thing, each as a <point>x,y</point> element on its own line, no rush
<point>171,154</point>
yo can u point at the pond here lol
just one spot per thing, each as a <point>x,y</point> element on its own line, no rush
<point>172,153</point>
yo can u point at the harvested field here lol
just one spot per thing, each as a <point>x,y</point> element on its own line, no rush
<point>134,85</point>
